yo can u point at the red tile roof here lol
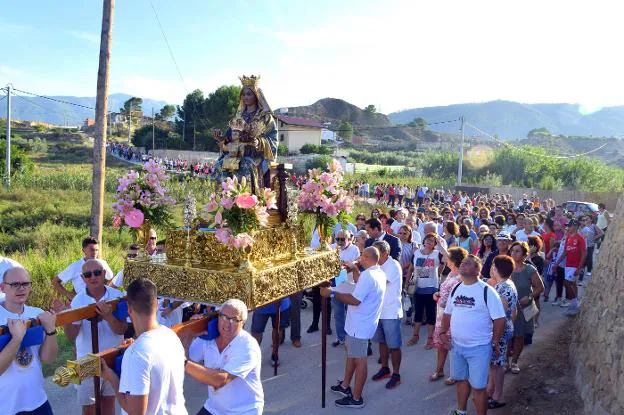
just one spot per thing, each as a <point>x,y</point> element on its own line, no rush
<point>304,122</point>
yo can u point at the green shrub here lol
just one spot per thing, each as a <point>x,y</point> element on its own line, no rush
<point>282,149</point>
<point>315,149</point>
<point>319,162</point>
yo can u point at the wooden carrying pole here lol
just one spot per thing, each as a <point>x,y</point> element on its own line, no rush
<point>95,348</point>
<point>324,329</point>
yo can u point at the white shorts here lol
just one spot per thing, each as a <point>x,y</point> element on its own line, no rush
<point>85,391</point>
<point>569,274</point>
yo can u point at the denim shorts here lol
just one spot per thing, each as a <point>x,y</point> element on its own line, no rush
<point>356,348</point>
<point>389,332</point>
<point>471,364</point>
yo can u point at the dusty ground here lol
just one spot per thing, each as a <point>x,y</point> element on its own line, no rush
<point>546,383</point>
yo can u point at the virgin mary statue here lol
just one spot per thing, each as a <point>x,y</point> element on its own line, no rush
<point>257,135</point>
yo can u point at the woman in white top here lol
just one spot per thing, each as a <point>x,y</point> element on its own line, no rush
<point>426,277</point>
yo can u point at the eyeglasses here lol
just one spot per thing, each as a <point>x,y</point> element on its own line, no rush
<point>132,255</point>
<point>94,273</point>
<point>360,218</point>
<point>341,239</point>
<point>152,238</point>
<point>16,285</point>
<point>231,320</point>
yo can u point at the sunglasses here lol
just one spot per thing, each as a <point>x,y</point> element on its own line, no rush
<point>16,285</point>
<point>360,218</point>
<point>94,273</point>
<point>341,239</point>
<point>132,255</point>
<point>231,320</point>
<point>152,238</point>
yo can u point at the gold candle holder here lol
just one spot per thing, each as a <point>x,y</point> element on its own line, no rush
<point>75,371</point>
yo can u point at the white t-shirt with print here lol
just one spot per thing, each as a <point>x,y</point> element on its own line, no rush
<point>392,307</point>
<point>73,273</point>
<point>471,318</point>
<point>241,358</point>
<point>154,366</point>
<point>362,319</point>
<point>21,385</point>
<point>107,338</point>
<point>426,269</point>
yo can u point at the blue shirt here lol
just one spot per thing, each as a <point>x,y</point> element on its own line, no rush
<point>270,309</point>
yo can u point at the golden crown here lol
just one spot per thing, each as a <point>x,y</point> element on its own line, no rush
<point>250,81</point>
<point>237,124</point>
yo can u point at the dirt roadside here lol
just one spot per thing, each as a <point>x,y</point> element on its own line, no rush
<point>546,383</point>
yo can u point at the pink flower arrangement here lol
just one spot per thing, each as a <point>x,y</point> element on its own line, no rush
<point>324,196</point>
<point>142,196</point>
<point>235,212</point>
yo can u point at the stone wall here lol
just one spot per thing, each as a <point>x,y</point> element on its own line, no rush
<point>597,348</point>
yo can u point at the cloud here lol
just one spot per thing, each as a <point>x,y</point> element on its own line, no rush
<point>89,37</point>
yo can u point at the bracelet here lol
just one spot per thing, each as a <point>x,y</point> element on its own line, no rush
<point>52,333</point>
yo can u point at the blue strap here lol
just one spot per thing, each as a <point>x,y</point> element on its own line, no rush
<point>118,360</point>
<point>213,330</point>
<point>34,337</point>
<point>121,312</point>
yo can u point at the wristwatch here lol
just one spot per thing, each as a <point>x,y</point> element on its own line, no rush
<point>52,333</point>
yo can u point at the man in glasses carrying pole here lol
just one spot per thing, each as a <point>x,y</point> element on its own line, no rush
<point>231,365</point>
<point>21,379</point>
<point>110,332</point>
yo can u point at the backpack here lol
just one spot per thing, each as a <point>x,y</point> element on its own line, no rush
<point>485,289</point>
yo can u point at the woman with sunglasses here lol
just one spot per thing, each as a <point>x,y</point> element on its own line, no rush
<point>426,277</point>
<point>487,252</point>
<point>529,286</point>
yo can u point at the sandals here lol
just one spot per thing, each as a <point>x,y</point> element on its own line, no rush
<point>515,369</point>
<point>450,381</point>
<point>415,338</point>
<point>429,344</point>
<point>492,404</point>
<point>436,376</point>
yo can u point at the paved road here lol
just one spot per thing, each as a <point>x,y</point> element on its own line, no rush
<point>297,387</point>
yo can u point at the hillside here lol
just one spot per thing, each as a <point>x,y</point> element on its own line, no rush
<point>25,107</point>
<point>514,120</point>
<point>333,109</point>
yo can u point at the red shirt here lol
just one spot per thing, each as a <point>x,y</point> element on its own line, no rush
<point>574,249</point>
<point>546,237</point>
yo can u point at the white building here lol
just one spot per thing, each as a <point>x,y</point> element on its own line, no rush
<point>295,132</point>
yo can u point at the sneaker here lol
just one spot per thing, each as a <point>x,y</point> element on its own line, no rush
<point>458,412</point>
<point>349,402</point>
<point>340,390</point>
<point>383,373</point>
<point>556,301</point>
<point>564,303</point>
<point>394,381</point>
<point>588,274</point>
<point>338,342</point>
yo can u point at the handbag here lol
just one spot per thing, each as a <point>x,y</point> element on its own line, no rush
<point>530,311</point>
<point>411,287</point>
<point>407,303</point>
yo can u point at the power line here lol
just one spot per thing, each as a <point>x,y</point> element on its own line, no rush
<point>530,152</point>
<point>65,115</point>
<point>55,100</point>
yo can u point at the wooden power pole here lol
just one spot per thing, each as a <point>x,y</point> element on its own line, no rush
<point>101,112</point>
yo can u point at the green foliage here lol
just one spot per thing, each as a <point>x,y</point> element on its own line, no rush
<point>319,162</point>
<point>418,122</point>
<point>142,137</point>
<point>166,112</point>
<point>282,149</point>
<point>539,132</point>
<point>388,158</point>
<point>370,110</point>
<point>345,131</point>
<point>20,162</point>
<point>315,149</point>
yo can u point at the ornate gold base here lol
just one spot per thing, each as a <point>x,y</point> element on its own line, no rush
<point>75,371</point>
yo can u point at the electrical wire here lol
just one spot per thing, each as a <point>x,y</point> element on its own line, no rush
<point>498,140</point>
<point>54,99</point>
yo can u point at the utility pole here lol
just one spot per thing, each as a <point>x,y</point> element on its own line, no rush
<point>7,169</point>
<point>461,151</point>
<point>184,129</point>
<point>101,112</point>
<point>153,136</point>
<point>193,135</point>
<point>129,123</point>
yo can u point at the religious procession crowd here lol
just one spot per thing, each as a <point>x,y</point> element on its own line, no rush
<point>179,164</point>
<point>474,270</point>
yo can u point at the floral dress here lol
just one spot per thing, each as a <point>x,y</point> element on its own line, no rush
<point>507,291</point>
<point>445,291</point>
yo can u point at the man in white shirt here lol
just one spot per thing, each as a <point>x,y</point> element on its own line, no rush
<point>362,318</point>
<point>388,333</point>
<point>152,369</point>
<point>5,264</point>
<point>476,316</point>
<point>347,252</point>
<point>90,250</point>
<point>110,332</point>
<point>399,220</point>
<point>231,365</point>
<point>21,379</point>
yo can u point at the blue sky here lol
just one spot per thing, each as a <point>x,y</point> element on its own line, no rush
<point>394,54</point>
